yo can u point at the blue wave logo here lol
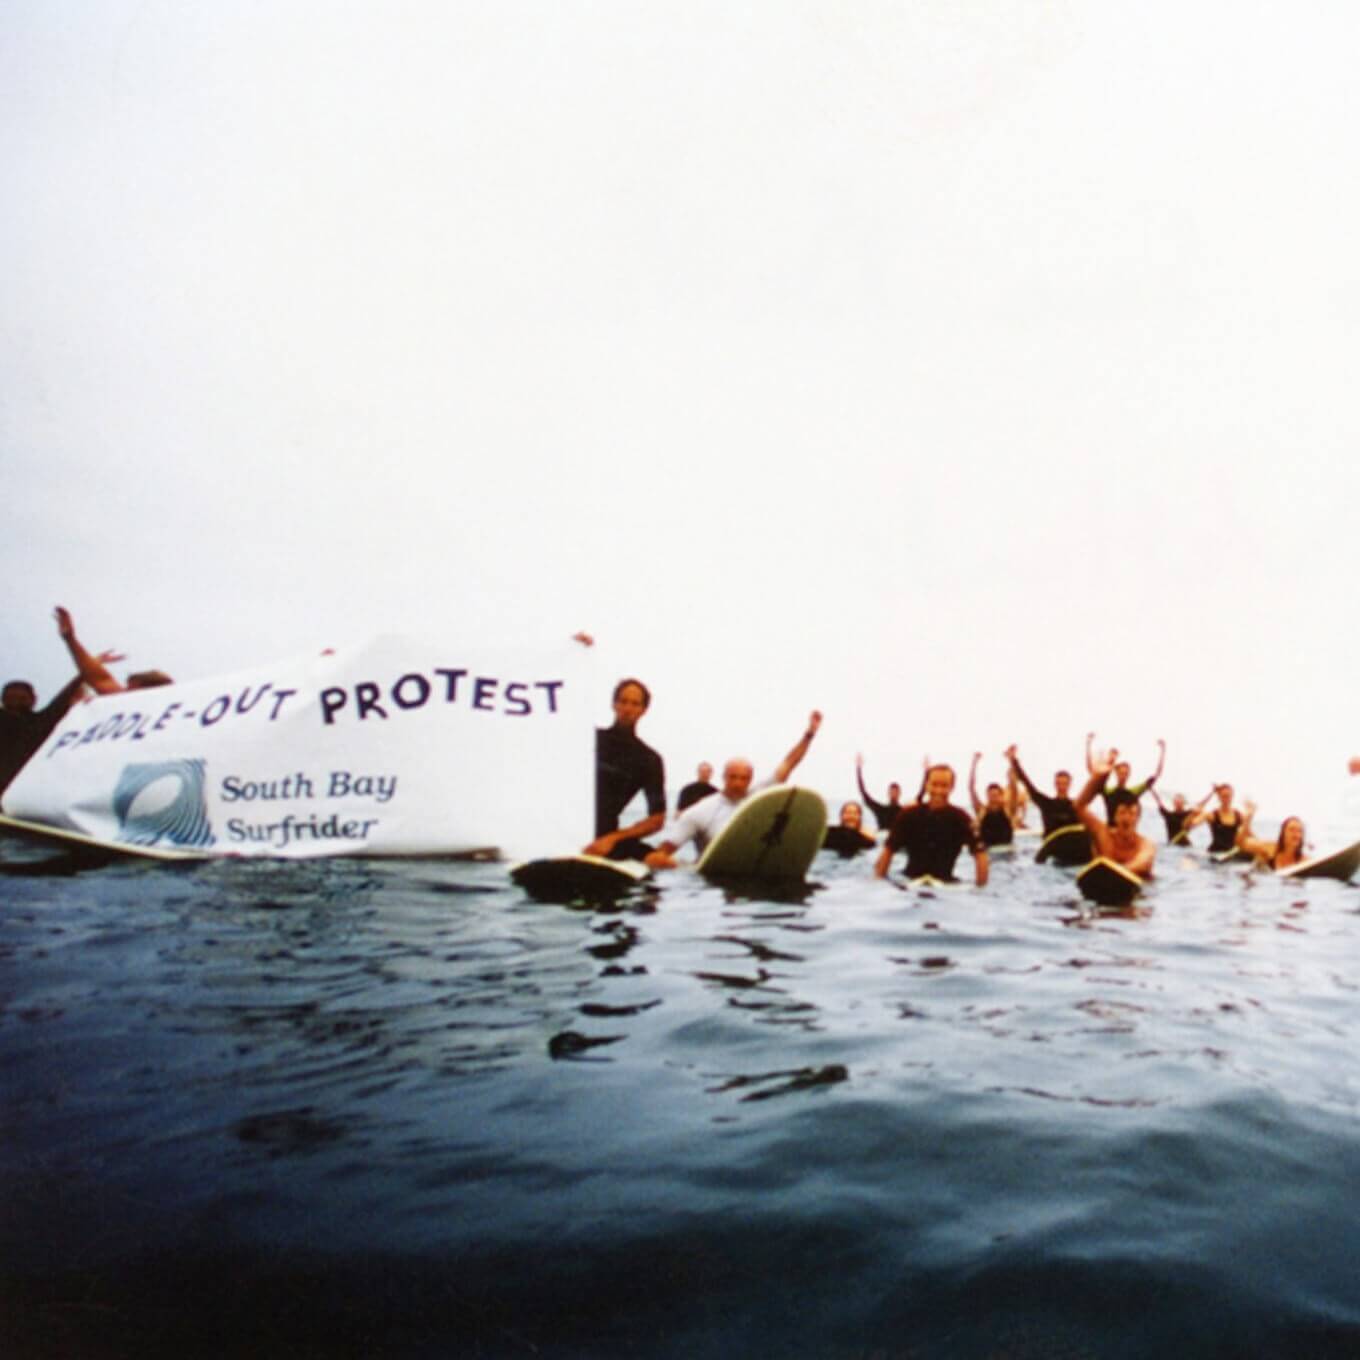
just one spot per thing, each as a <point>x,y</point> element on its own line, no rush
<point>163,801</point>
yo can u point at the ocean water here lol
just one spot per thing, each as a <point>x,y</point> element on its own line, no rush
<point>349,1108</point>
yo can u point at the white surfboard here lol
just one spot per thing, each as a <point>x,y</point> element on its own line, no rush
<point>570,878</point>
<point>61,838</point>
<point>774,834</point>
<point>1340,864</point>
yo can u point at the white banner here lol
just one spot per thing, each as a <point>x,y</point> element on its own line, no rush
<point>401,747</point>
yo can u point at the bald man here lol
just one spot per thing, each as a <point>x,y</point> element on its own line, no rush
<point>703,820</point>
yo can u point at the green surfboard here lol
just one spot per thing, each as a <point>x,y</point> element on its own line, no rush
<point>774,834</point>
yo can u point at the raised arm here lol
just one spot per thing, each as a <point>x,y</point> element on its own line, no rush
<point>972,784</point>
<point>1161,762</point>
<point>1100,833</point>
<point>1017,768</point>
<point>800,748</point>
<point>1246,841</point>
<point>1090,759</point>
<point>1015,802</point>
<point>92,670</point>
<point>1199,815</point>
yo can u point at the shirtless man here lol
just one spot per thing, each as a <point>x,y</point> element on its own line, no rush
<point>1119,839</point>
<point>624,766</point>
<point>932,832</point>
<point>703,820</point>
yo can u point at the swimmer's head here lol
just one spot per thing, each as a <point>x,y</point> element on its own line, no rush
<point>18,696</point>
<point>939,784</point>
<point>894,793</point>
<point>1121,771</point>
<point>1225,793</point>
<point>1125,815</point>
<point>1291,835</point>
<point>705,772</point>
<point>996,798</point>
<point>852,815</point>
<point>1062,782</point>
<point>737,776</point>
<point>631,700</point>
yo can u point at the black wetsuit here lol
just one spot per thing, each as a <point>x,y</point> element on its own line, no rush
<point>885,814</point>
<point>625,764</point>
<point>1175,821</point>
<point>1056,812</point>
<point>1222,835</point>
<point>22,733</point>
<point>691,793</point>
<point>933,838</point>
<point>995,828</point>
<point>1116,794</point>
<point>846,841</point>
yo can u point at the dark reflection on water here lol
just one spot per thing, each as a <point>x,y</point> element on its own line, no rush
<point>357,1108</point>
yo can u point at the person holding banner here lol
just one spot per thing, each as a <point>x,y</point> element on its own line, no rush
<point>24,727</point>
<point>625,766</point>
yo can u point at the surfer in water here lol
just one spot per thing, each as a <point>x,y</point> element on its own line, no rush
<point>849,837</point>
<point>932,832</point>
<point>625,766</point>
<point>1177,816</point>
<point>996,817</point>
<point>1283,852</point>
<point>1056,810</point>
<point>24,726</point>
<point>1224,822</point>
<point>1121,790</point>
<point>885,814</point>
<point>701,821</point>
<point>1117,839</point>
<point>697,788</point>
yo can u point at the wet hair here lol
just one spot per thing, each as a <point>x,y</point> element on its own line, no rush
<point>1279,840</point>
<point>1118,799</point>
<point>1063,774</point>
<point>997,787</point>
<point>623,685</point>
<point>19,684</point>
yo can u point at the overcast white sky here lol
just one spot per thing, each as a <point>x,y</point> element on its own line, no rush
<point>973,371</point>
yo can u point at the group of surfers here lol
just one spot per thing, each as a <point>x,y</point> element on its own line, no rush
<point>930,830</point>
